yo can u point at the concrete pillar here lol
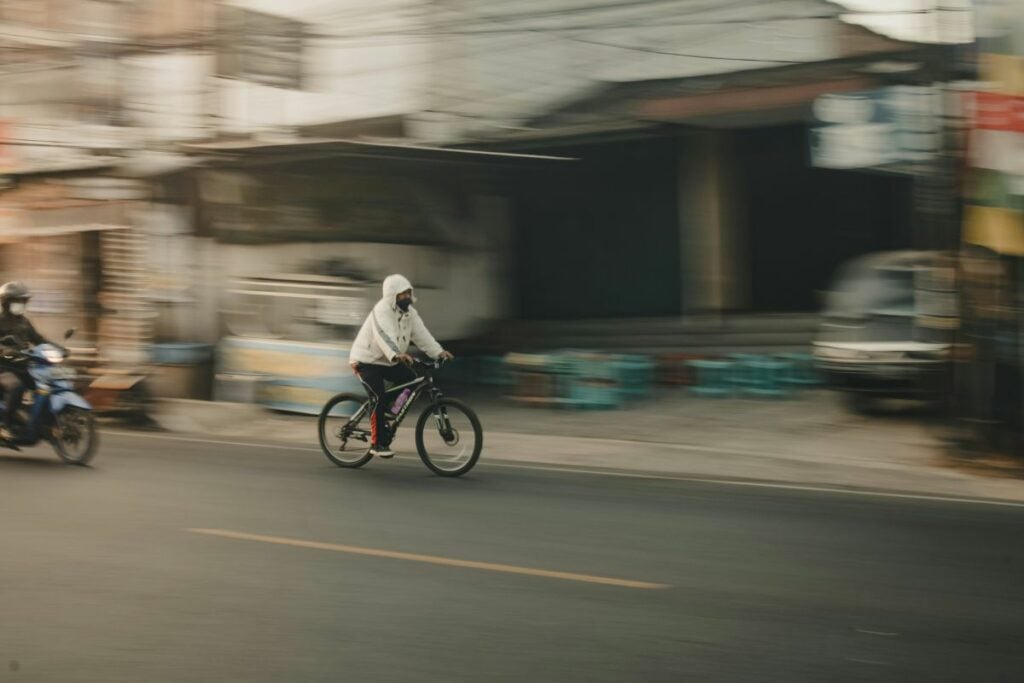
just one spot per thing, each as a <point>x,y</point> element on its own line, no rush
<point>715,265</point>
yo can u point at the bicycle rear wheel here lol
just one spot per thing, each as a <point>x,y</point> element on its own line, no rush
<point>449,437</point>
<point>342,421</point>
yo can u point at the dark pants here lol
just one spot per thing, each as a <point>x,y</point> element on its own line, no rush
<point>14,391</point>
<point>375,377</point>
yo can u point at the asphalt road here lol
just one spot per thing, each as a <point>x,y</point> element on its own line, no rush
<point>179,560</point>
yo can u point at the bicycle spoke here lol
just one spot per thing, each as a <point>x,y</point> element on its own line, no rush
<point>449,439</point>
<point>341,436</point>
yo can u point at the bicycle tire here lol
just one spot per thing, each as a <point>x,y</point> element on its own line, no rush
<point>478,434</point>
<point>325,414</point>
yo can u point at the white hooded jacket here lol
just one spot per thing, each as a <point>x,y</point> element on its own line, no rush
<point>388,330</point>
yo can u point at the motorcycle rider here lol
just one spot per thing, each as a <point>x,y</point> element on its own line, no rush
<point>380,352</point>
<point>14,297</point>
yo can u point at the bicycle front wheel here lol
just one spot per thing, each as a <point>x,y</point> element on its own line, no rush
<point>449,437</point>
<point>344,431</point>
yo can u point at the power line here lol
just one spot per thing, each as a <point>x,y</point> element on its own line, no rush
<point>556,33</point>
<point>471,27</point>
<point>673,20</point>
<point>652,22</point>
<point>712,6</point>
<point>434,61</point>
<point>927,10</point>
<point>477,101</point>
<point>348,14</point>
<point>438,60</point>
<point>664,20</point>
<point>508,22</point>
<point>682,54</point>
<point>685,54</point>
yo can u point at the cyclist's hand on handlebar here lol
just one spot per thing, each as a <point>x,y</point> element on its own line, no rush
<point>405,359</point>
<point>446,356</point>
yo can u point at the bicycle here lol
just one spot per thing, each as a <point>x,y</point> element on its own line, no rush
<point>444,449</point>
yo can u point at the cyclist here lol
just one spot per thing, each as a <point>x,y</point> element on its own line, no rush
<point>380,352</point>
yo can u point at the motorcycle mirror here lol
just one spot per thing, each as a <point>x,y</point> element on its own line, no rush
<point>69,333</point>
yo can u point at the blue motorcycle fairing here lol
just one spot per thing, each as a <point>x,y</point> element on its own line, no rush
<point>62,400</point>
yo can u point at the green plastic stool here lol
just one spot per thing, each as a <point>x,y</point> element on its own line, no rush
<point>768,377</point>
<point>713,377</point>
<point>743,375</point>
<point>803,373</point>
<point>594,381</point>
<point>636,375</point>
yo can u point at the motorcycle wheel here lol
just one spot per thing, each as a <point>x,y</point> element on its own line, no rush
<point>74,435</point>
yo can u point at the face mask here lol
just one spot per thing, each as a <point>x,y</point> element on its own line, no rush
<point>404,304</point>
<point>18,309</point>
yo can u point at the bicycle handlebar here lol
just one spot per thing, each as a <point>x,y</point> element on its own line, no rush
<point>428,364</point>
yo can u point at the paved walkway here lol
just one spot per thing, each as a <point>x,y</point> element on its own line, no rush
<point>809,440</point>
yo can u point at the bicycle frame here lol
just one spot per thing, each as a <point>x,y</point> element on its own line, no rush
<point>422,384</point>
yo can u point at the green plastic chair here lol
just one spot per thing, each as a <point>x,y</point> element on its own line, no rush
<point>713,377</point>
<point>804,373</point>
<point>769,377</point>
<point>594,381</point>
<point>635,374</point>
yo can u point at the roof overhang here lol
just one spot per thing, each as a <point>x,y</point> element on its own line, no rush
<point>291,151</point>
<point>745,106</point>
<point>16,235</point>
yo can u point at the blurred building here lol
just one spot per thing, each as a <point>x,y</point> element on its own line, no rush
<point>989,373</point>
<point>72,206</point>
<point>254,138</point>
<point>694,192</point>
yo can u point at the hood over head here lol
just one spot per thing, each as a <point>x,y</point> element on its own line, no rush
<point>395,285</point>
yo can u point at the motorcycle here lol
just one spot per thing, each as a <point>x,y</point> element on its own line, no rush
<point>52,410</point>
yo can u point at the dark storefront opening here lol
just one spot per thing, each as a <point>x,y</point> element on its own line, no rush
<point>803,222</point>
<point>598,238</point>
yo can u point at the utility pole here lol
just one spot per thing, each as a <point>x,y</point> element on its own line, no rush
<point>211,40</point>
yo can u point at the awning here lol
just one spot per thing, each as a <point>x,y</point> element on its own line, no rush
<point>51,219</point>
<point>744,106</point>
<point>61,166</point>
<point>15,235</point>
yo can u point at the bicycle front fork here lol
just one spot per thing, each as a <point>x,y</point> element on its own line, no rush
<point>444,426</point>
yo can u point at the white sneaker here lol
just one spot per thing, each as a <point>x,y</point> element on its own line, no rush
<point>382,452</point>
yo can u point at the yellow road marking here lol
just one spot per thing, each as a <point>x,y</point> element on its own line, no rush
<point>430,559</point>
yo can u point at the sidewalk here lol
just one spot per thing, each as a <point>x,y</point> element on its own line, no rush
<point>810,440</point>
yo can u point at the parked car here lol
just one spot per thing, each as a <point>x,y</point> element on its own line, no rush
<point>870,344</point>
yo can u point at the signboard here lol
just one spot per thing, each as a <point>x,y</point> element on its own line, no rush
<point>340,206</point>
<point>258,47</point>
<point>996,111</point>
<point>897,128</point>
<point>997,138</point>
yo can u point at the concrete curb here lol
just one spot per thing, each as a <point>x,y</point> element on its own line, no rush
<point>240,422</point>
